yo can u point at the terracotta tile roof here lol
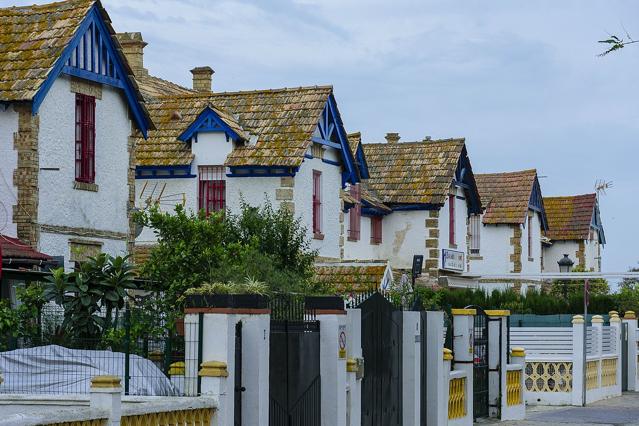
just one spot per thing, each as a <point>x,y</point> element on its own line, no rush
<point>354,139</point>
<point>569,217</point>
<point>506,196</point>
<point>346,277</point>
<point>369,196</point>
<point>154,87</point>
<point>413,172</point>
<point>347,197</point>
<point>32,38</point>
<point>13,248</point>
<point>283,120</point>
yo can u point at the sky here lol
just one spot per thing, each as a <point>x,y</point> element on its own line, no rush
<point>520,80</point>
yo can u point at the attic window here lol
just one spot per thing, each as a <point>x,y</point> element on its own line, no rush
<point>84,138</point>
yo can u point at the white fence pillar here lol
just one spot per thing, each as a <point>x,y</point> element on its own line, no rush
<point>463,324</point>
<point>615,324</point>
<point>218,344</point>
<point>216,383</point>
<point>630,319</point>
<point>411,371</point>
<point>332,367</point>
<point>106,394</point>
<point>577,359</point>
<point>354,367</point>
<point>497,360</point>
<point>513,399</point>
<point>436,398</point>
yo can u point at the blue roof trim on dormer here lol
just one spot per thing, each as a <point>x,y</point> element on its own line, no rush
<point>536,203</point>
<point>92,55</point>
<point>208,121</point>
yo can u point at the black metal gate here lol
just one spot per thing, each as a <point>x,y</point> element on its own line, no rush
<point>294,378</point>
<point>382,351</point>
<point>480,364</point>
<point>238,375</point>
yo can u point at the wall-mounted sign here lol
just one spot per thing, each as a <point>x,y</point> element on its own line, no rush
<point>453,260</point>
<point>341,341</point>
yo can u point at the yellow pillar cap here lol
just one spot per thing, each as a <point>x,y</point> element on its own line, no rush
<point>351,365</point>
<point>578,319</point>
<point>615,319</point>
<point>498,313</point>
<point>176,369</point>
<point>611,313</point>
<point>629,315</point>
<point>105,382</point>
<point>517,351</point>
<point>213,369</point>
<point>597,319</point>
<point>448,354</point>
<point>463,311</point>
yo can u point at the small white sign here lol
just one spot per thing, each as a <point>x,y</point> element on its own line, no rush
<point>341,341</point>
<point>453,260</point>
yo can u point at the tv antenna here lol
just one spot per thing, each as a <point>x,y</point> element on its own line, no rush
<point>601,186</point>
<point>154,194</point>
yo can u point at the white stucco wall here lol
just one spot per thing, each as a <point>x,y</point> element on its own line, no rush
<point>173,192</point>
<point>58,245</point>
<point>461,224</point>
<point>531,265</point>
<point>593,250</point>
<point>556,251</point>
<point>363,249</point>
<point>494,250</point>
<point>331,182</point>
<point>8,163</point>
<point>404,235</point>
<point>60,204</point>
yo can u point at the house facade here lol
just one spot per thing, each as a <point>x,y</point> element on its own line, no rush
<point>575,229</point>
<point>214,151</point>
<point>507,236</point>
<point>419,196</point>
<point>69,113</point>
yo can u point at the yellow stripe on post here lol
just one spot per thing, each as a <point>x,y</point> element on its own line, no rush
<point>463,311</point>
<point>498,313</point>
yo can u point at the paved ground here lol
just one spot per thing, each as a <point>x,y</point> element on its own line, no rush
<point>621,411</point>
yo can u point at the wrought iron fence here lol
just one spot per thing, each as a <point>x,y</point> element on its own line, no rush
<point>139,346</point>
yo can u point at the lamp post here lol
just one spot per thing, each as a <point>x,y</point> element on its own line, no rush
<point>565,266</point>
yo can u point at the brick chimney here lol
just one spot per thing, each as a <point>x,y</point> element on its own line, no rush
<point>392,137</point>
<point>133,48</point>
<point>202,79</point>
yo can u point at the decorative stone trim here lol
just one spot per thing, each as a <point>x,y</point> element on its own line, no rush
<point>83,232</point>
<point>131,185</point>
<point>287,182</point>
<point>85,87</point>
<point>515,242</point>
<point>85,186</point>
<point>431,243</point>
<point>518,352</point>
<point>25,176</point>
<point>317,151</point>
<point>284,194</point>
<point>578,319</point>
<point>581,254</point>
<point>629,315</point>
<point>288,205</point>
<point>81,250</point>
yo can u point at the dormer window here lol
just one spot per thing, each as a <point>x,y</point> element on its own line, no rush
<point>84,138</point>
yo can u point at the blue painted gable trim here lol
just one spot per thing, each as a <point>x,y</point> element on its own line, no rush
<point>361,162</point>
<point>416,206</point>
<point>347,155</point>
<point>596,223</point>
<point>536,203</point>
<point>208,121</point>
<point>465,179</point>
<point>261,171</point>
<point>111,74</point>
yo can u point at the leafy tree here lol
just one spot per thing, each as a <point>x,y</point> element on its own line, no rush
<point>259,243</point>
<point>90,296</point>
<point>568,288</point>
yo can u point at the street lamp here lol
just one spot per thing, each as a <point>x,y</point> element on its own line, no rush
<point>565,266</point>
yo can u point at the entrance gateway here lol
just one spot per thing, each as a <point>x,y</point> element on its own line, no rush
<point>382,352</point>
<point>294,378</point>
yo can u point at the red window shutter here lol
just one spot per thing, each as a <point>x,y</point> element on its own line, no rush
<point>451,219</point>
<point>530,222</point>
<point>317,202</point>
<point>211,189</point>
<point>355,215</point>
<point>376,230</point>
<point>84,138</point>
